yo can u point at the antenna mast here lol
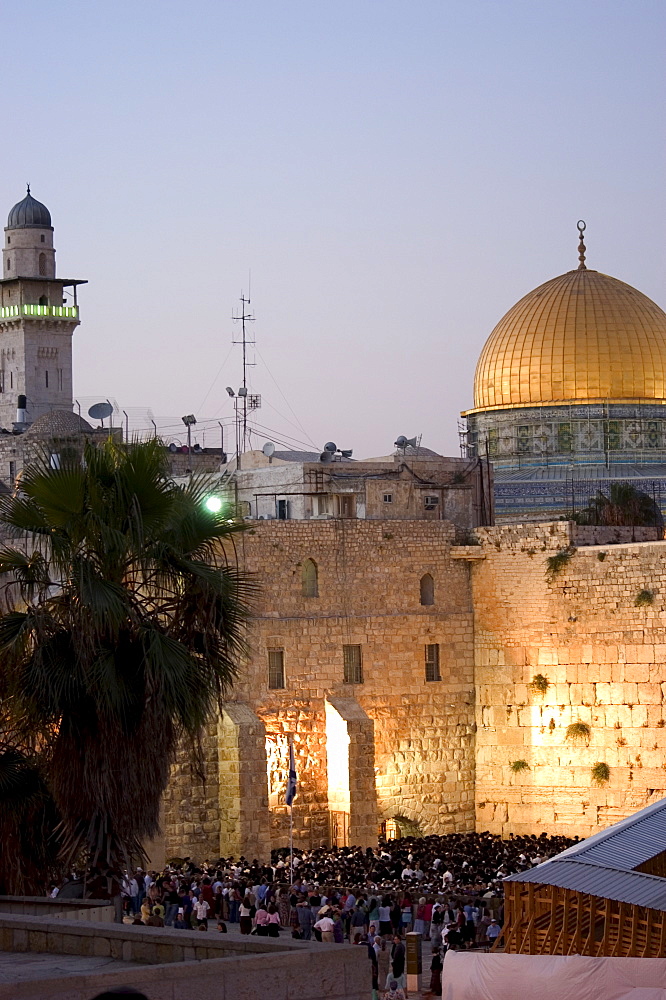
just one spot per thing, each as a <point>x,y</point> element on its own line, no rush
<point>243,318</point>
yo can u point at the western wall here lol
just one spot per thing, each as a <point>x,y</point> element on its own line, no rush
<point>602,655</point>
<point>482,747</point>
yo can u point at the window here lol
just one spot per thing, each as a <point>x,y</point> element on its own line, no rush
<point>310,579</point>
<point>9,239</point>
<point>43,300</point>
<point>427,587</point>
<point>523,439</point>
<point>11,380</point>
<point>275,668</point>
<point>60,378</point>
<point>12,470</point>
<point>353,664</point>
<point>43,238</point>
<point>46,377</point>
<point>346,504</point>
<point>430,502</point>
<point>283,510</point>
<point>9,264</point>
<point>388,498</point>
<point>42,263</point>
<point>432,662</point>
<point>564,437</point>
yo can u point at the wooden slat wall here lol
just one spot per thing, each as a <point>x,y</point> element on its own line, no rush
<point>546,920</point>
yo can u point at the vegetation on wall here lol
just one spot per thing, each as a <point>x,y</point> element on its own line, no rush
<point>600,772</point>
<point>578,731</point>
<point>519,765</point>
<point>556,563</point>
<point>540,683</point>
<point>644,598</point>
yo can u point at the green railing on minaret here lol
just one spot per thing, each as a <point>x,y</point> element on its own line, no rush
<point>52,312</point>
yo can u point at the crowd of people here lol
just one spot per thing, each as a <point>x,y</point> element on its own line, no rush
<point>447,889</point>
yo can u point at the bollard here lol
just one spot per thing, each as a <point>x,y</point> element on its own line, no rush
<point>414,965</point>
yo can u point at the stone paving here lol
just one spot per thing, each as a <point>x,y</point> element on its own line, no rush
<point>19,967</point>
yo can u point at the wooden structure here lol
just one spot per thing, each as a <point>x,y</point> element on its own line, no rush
<point>603,897</point>
<point>549,920</point>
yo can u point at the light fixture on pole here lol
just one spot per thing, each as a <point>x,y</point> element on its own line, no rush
<point>189,420</point>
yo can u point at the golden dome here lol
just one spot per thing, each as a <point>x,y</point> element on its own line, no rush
<point>581,337</point>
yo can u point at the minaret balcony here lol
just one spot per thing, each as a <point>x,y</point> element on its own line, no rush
<point>39,312</point>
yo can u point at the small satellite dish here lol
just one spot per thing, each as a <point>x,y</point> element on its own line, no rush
<point>331,447</point>
<point>100,411</point>
<point>269,449</point>
<point>326,456</point>
<point>173,447</point>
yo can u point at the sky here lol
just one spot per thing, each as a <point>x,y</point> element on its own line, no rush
<point>386,177</point>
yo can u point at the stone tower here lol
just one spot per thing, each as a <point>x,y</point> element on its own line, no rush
<point>36,321</point>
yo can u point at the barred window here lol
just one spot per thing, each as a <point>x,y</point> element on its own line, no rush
<point>353,664</point>
<point>42,263</point>
<point>432,662</point>
<point>276,668</point>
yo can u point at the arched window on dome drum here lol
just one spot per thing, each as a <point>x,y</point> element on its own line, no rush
<point>310,579</point>
<point>427,589</point>
<point>42,264</point>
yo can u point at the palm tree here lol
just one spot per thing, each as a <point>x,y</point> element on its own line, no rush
<point>28,818</point>
<point>125,625</point>
<point>622,505</point>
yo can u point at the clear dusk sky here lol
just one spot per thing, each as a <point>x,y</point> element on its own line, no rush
<point>394,173</point>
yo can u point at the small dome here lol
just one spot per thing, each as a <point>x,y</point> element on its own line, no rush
<point>59,423</point>
<point>581,337</point>
<point>29,214</point>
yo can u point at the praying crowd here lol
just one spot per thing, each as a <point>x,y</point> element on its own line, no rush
<point>447,888</point>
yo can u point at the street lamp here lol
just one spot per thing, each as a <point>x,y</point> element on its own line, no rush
<point>189,420</point>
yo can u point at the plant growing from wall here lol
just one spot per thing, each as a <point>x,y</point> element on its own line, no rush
<point>540,684</point>
<point>519,765</point>
<point>644,598</point>
<point>555,564</point>
<point>601,556</point>
<point>600,773</point>
<point>578,732</point>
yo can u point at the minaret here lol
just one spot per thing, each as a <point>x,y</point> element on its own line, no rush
<point>36,322</point>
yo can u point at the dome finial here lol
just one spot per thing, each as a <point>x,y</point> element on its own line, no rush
<point>581,246</point>
<point>28,186</point>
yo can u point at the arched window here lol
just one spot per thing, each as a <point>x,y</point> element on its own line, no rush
<point>9,264</point>
<point>310,579</point>
<point>43,300</point>
<point>427,589</point>
<point>42,263</point>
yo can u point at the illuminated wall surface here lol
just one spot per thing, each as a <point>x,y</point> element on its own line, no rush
<point>482,747</point>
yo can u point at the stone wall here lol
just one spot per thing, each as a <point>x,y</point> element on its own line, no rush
<point>369,574</point>
<point>603,659</point>
<point>168,964</point>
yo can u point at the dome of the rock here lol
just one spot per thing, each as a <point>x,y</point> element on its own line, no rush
<point>580,337</point>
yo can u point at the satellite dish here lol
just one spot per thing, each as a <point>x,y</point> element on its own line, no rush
<point>100,411</point>
<point>326,456</point>
<point>173,447</point>
<point>331,447</point>
<point>269,449</point>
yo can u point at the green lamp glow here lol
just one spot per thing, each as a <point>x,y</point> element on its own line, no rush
<point>213,504</point>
